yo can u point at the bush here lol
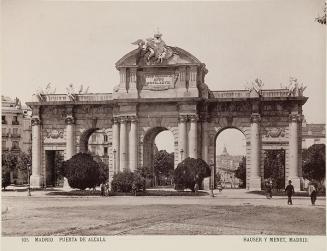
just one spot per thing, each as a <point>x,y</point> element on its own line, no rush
<point>5,178</point>
<point>82,171</point>
<point>190,172</point>
<point>126,181</point>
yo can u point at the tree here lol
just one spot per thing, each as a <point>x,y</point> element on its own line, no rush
<point>82,171</point>
<point>9,165</point>
<point>104,170</point>
<point>163,165</point>
<point>314,159</point>
<point>322,19</point>
<point>240,172</point>
<point>274,168</point>
<point>24,161</point>
<point>190,172</point>
<point>146,174</point>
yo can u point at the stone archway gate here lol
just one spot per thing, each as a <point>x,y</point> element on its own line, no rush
<point>172,94</point>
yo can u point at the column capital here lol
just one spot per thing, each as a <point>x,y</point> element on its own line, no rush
<point>295,117</point>
<point>133,119</point>
<point>203,117</point>
<point>115,120</point>
<point>69,120</point>
<point>123,119</point>
<point>255,118</point>
<point>193,117</point>
<point>36,121</point>
<point>182,118</point>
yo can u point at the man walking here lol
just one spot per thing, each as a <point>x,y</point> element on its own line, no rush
<point>289,191</point>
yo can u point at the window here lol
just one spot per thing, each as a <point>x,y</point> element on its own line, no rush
<point>15,131</point>
<point>4,131</point>
<point>94,138</point>
<point>15,145</point>
<point>105,151</point>
<point>14,120</point>
<point>4,144</point>
<point>105,138</point>
<point>3,118</point>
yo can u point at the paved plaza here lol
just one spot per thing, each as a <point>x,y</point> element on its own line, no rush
<point>232,212</point>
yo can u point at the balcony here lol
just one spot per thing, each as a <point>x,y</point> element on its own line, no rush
<point>4,122</point>
<point>15,148</point>
<point>15,135</point>
<point>4,149</point>
<point>15,123</point>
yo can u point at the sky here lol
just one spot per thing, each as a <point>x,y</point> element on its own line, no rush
<point>64,42</point>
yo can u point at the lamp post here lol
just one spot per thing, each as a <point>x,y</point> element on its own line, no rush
<point>29,180</point>
<point>212,180</point>
<point>182,152</point>
<point>114,151</point>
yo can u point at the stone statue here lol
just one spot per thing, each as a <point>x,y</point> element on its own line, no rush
<point>154,48</point>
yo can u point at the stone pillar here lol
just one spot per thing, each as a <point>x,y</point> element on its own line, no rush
<point>36,178</point>
<point>123,144</point>
<point>133,145</point>
<point>115,144</point>
<point>182,138</point>
<point>255,176</point>
<point>293,173</point>
<point>193,146</point>
<point>70,147</point>
<point>204,136</point>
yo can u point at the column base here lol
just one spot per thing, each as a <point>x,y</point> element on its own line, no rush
<point>36,181</point>
<point>296,182</point>
<point>254,184</point>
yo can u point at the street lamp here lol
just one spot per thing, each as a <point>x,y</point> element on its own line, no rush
<point>29,181</point>
<point>212,180</point>
<point>182,152</point>
<point>114,151</point>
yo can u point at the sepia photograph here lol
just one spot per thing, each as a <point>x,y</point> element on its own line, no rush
<point>194,123</point>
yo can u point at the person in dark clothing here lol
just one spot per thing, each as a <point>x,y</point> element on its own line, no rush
<point>289,191</point>
<point>313,194</point>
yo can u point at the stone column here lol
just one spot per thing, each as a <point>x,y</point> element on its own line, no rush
<point>36,178</point>
<point>115,144</point>
<point>182,137</point>
<point>133,145</point>
<point>193,146</point>
<point>293,166</point>
<point>255,176</point>
<point>70,147</point>
<point>123,144</point>
<point>204,136</point>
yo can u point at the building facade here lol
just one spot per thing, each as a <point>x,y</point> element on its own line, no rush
<point>163,88</point>
<point>313,134</point>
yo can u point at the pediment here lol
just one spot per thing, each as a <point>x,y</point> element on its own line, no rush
<point>138,58</point>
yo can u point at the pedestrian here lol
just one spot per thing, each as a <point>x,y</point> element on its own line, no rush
<point>289,191</point>
<point>196,187</point>
<point>107,189</point>
<point>102,187</point>
<point>312,193</point>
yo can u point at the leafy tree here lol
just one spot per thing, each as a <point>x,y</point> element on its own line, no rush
<point>322,18</point>
<point>82,171</point>
<point>190,172</point>
<point>126,181</point>
<point>240,172</point>
<point>104,170</point>
<point>163,165</point>
<point>24,161</point>
<point>314,160</point>
<point>5,178</point>
<point>146,173</point>
<point>9,165</point>
<point>274,168</point>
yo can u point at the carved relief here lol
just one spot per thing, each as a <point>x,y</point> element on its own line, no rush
<point>35,121</point>
<point>275,132</point>
<point>255,118</point>
<point>69,120</point>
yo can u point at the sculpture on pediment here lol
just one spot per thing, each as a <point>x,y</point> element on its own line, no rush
<point>255,87</point>
<point>40,92</point>
<point>153,50</point>
<point>295,89</point>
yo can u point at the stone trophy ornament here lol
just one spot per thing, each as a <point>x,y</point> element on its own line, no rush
<point>295,89</point>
